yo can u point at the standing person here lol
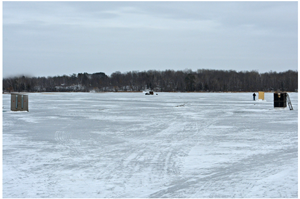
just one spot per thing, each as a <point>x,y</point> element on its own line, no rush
<point>254,96</point>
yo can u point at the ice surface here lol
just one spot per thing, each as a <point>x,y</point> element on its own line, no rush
<point>120,145</point>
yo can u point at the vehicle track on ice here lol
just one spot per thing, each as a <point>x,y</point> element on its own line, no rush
<point>67,144</point>
<point>162,162</point>
<point>214,183</point>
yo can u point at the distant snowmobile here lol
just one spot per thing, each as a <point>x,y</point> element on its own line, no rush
<point>149,92</point>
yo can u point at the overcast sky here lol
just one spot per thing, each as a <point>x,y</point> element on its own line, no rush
<point>57,38</point>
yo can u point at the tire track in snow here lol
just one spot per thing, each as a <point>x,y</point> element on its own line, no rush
<point>157,160</point>
<point>64,139</point>
<point>195,132</point>
<point>219,178</point>
<point>160,160</point>
<point>190,132</point>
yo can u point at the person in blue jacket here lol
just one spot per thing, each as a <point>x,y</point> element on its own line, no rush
<point>254,96</point>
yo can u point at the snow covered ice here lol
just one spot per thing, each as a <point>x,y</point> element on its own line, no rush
<point>129,145</point>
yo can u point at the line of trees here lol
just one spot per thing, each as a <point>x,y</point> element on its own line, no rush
<point>159,81</point>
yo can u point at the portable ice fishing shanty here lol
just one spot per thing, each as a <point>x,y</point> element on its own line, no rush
<point>19,102</point>
<point>281,99</point>
<point>261,95</point>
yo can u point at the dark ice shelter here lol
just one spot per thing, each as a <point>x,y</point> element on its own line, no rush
<point>281,100</point>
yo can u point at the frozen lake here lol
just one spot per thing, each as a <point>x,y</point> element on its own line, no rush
<point>121,145</point>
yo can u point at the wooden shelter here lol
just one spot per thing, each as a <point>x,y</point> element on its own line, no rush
<point>19,102</point>
<point>261,95</point>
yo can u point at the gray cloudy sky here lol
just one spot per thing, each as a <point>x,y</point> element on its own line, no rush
<point>57,38</point>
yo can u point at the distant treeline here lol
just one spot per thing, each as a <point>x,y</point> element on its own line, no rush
<point>159,81</point>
